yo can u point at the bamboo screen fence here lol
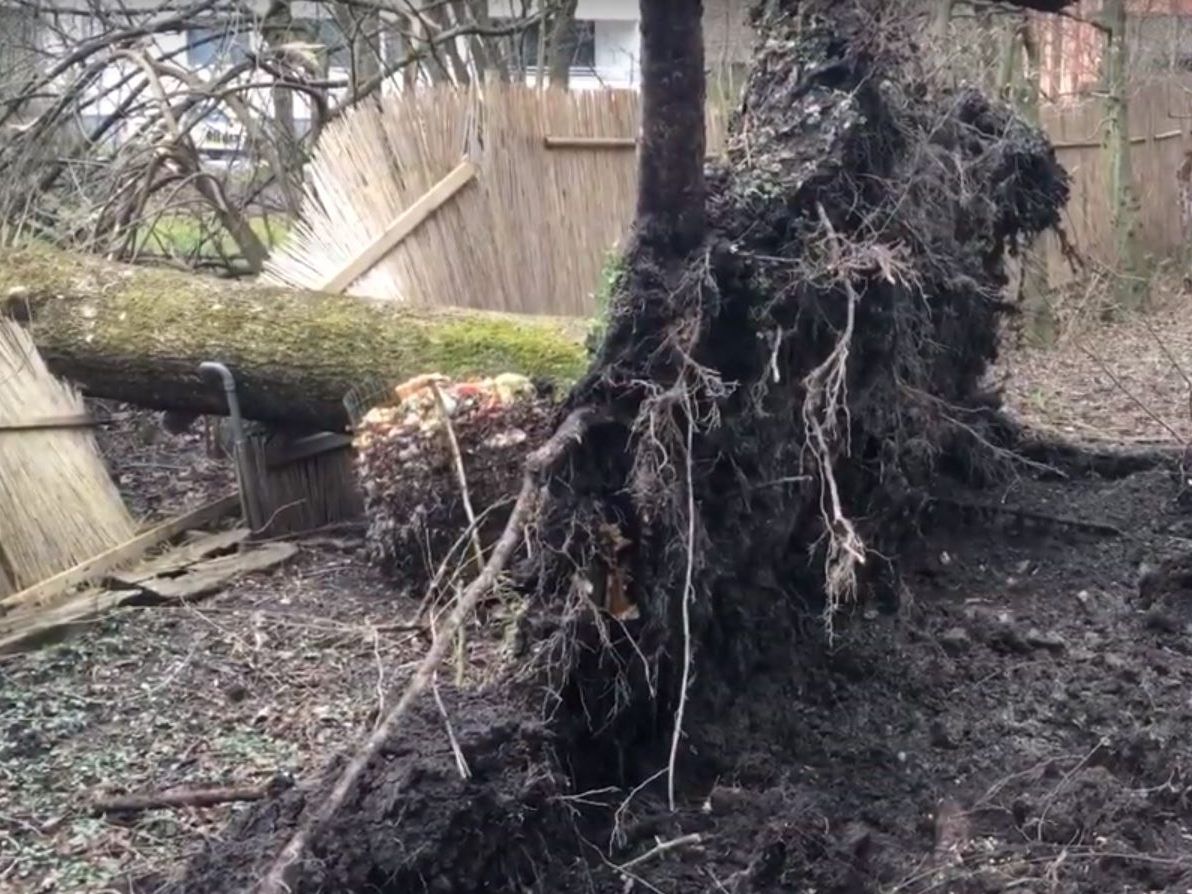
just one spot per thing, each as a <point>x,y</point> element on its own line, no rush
<point>1160,119</point>
<point>552,192</point>
<point>528,231</point>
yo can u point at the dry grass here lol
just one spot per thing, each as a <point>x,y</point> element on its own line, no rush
<point>1127,380</point>
<point>58,506</point>
<point>529,234</point>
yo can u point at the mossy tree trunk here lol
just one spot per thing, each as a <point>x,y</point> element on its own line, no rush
<point>139,334</point>
<point>1022,85</point>
<point>1131,288</point>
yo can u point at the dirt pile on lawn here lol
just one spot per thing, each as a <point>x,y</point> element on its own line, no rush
<point>759,432</point>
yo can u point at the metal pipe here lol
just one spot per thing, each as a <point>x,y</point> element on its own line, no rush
<point>239,439</point>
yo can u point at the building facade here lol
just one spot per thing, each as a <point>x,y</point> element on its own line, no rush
<point>604,45</point>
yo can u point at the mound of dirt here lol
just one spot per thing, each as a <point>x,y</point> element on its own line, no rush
<point>465,801</point>
<point>1019,725</point>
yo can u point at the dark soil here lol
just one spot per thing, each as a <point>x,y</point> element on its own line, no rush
<point>160,474</point>
<point>1020,724</point>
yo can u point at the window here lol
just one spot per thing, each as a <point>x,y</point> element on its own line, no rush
<point>579,44</point>
<point>207,47</point>
<point>330,42</point>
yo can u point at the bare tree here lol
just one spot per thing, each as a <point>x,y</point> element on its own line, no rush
<point>561,48</point>
<point>180,130</point>
<point>1123,197</point>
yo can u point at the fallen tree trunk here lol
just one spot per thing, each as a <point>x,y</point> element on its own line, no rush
<point>139,334</point>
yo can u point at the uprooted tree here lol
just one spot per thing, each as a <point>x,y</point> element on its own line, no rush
<point>796,354</point>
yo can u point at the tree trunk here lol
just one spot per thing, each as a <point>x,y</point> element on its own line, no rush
<point>1026,90</point>
<point>1123,199</point>
<point>670,186</point>
<point>483,58</point>
<point>277,30</point>
<point>987,52</point>
<point>562,43</point>
<point>1009,68</point>
<point>361,32</point>
<point>139,335</point>
<point>942,19</point>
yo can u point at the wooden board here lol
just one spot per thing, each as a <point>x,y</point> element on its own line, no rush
<point>59,621</point>
<point>403,225</point>
<point>199,579</point>
<point>590,143</point>
<point>174,561</point>
<point>50,423</point>
<point>211,576</point>
<point>285,452</point>
<point>41,593</point>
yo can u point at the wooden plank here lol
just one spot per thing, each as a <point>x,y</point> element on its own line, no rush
<point>50,588</point>
<point>403,225</point>
<point>51,422</point>
<point>176,560</point>
<point>58,622</point>
<point>22,633</point>
<point>289,452</point>
<point>591,142</point>
<point>212,575</point>
<point>1096,144</point>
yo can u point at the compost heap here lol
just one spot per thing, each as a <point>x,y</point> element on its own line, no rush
<point>431,451</point>
<point>760,428</point>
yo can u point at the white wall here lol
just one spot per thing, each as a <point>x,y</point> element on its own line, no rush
<point>617,40</point>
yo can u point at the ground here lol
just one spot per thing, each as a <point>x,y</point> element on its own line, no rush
<point>1020,725</point>
<point>1127,381</point>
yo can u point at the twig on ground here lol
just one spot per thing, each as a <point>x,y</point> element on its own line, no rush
<point>461,762</point>
<point>1101,745</point>
<point>207,797</point>
<point>375,636</point>
<point>1176,365</point>
<point>1134,400</point>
